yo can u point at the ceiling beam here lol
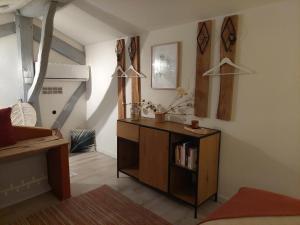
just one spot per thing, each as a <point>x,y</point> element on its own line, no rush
<point>43,56</point>
<point>25,49</point>
<point>7,29</point>
<point>36,7</point>
<point>62,47</point>
<point>57,44</point>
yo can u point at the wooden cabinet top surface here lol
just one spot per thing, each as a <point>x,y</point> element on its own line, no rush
<point>168,126</point>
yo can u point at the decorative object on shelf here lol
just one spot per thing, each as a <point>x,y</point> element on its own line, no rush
<point>23,114</point>
<point>181,103</point>
<point>202,64</point>
<point>164,69</point>
<point>195,124</point>
<point>227,50</point>
<point>83,140</point>
<point>179,106</point>
<point>135,111</point>
<point>198,130</point>
<point>160,117</point>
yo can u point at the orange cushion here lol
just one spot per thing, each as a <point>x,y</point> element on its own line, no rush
<point>251,202</point>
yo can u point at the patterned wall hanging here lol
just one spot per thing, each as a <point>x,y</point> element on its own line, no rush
<point>120,52</point>
<point>202,65</point>
<point>134,54</point>
<point>228,49</point>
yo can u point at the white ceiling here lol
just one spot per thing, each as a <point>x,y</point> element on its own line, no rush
<point>83,27</point>
<point>90,21</point>
<point>7,6</point>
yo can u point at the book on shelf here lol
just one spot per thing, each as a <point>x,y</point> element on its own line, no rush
<point>192,158</point>
<point>177,154</point>
<point>186,155</point>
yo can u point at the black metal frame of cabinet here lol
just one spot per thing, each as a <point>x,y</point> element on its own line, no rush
<point>195,205</point>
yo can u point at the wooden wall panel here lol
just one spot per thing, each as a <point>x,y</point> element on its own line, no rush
<point>227,82</point>
<point>134,53</point>
<point>202,65</point>
<point>120,50</point>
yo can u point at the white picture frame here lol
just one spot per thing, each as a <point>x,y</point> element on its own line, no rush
<point>164,66</point>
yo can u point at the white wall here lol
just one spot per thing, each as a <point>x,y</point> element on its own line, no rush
<point>48,103</point>
<point>56,102</point>
<point>260,146</point>
<point>10,87</point>
<point>102,111</point>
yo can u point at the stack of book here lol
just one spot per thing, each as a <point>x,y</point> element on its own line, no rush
<point>186,155</point>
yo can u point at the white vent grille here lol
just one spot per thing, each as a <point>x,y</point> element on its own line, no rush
<point>52,91</point>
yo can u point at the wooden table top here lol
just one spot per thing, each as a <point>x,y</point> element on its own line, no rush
<point>168,126</point>
<point>31,146</point>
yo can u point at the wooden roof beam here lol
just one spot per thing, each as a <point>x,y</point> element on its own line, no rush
<point>43,56</point>
<point>57,44</point>
<point>25,48</point>
<point>36,7</point>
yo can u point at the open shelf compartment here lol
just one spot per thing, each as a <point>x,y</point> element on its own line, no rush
<point>183,184</point>
<point>179,140</point>
<point>128,157</point>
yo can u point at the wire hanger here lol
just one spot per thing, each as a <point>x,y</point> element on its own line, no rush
<point>137,74</point>
<point>119,72</point>
<point>242,70</point>
<point>131,72</point>
<point>132,50</point>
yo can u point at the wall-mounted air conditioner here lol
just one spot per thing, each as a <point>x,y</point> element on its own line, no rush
<point>68,72</point>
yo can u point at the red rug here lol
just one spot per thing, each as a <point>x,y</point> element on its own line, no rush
<point>103,206</point>
<point>250,202</point>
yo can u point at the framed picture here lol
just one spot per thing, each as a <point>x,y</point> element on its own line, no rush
<point>164,66</point>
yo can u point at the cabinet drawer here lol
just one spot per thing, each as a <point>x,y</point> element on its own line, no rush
<point>128,131</point>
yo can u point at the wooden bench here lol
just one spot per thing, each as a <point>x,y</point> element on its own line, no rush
<point>36,140</point>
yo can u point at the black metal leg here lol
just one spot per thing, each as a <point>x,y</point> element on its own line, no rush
<point>196,212</point>
<point>216,197</point>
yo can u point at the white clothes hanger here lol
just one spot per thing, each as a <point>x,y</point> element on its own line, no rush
<point>242,70</point>
<point>137,74</point>
<point>119,72</point>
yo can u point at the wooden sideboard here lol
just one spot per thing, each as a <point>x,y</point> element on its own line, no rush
<point>146,151</point>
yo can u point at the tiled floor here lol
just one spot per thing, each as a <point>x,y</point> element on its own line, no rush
<point>91,170</point>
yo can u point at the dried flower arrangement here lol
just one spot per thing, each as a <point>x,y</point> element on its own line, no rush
<point>181,103</point>
<point>178,106</point>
